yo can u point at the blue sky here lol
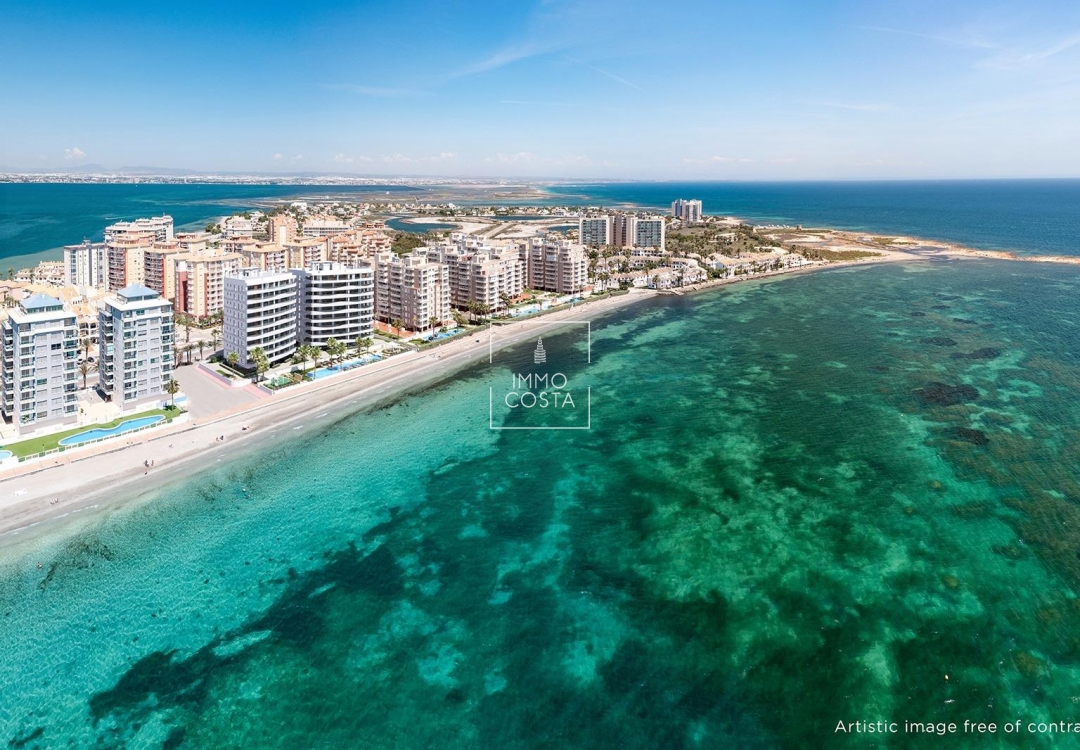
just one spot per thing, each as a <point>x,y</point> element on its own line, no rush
<point>555,89</point>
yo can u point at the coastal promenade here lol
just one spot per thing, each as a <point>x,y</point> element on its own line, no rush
<point>96,478</point>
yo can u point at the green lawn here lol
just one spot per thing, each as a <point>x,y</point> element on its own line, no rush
<point>49,442</point>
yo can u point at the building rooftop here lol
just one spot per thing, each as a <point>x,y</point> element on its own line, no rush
<point>41,303</point>
<point>134,292</point>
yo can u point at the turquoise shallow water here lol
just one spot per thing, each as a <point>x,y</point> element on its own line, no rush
<point>801,501</point>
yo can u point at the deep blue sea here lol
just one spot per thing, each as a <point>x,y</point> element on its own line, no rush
<point>1039,217</point>
<point>838,496</point>
<point>38,219</point>
<point>1026,216</point>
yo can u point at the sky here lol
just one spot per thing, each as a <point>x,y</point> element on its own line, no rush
<point>557,89</point>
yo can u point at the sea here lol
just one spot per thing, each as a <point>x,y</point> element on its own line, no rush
<point>836,497</point>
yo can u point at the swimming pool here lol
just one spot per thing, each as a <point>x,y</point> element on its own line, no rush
<point>5,454</point>
<point>352,364</point>
<point>444,334</point>
<point>99,433</point>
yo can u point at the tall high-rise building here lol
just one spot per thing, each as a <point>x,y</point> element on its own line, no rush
<point>487,275</point>
<point>260,312</point>
<point>124,259</point>
<point>301,253</point>
<point>281,228</point>
<point>200,281</point>
<point>411,288</point>
<point>37,369</point>
<point>624,230</point>
<point>334,301</point>
<point>135,341</point>
<point>687,211</point>
<point>595,231</point>
<point>554,264</point>
<point>85,264</point>
<point>159,268</point>
<point>650,232</point>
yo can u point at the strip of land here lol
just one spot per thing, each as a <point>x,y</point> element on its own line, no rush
<point>103,476</point>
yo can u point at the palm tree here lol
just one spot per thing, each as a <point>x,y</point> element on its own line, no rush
<point>334,348</point>
<point>362,344</point>
<point>233,358</point>
<point>188,349</point>
<point>84,344</point>
<point>172,388</point>
<point>187,330</point>
<point>10,274</point>
<point>300,357</point>
<point>433,323</point>
<point>202,345</point>
<point>85,368</point>
<point>262,363</point>
<point>215,338</point>
<point>316,355</point>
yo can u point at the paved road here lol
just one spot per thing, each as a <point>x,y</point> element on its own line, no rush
<point>207,396</point>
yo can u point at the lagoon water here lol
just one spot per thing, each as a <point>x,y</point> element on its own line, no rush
<point>1028,216</point>
<point>848,495</point>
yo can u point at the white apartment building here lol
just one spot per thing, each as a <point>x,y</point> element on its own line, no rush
<point>237,227</point>
<point>135,340</point>
<point>554,264</point>
<point>486,276</point>
<point>650,232</point>
<point>324,227</point>
<point>260,311</point>
<point>266,256</point>
<point>85,264</point>
<point>687,211</point>
<point>411,288</point>
<point>161,227</point>
<point>302,253</point>
<point>37,370</point>
<point>334,301</point>
<point>595,231</point>
<point>624,230</point>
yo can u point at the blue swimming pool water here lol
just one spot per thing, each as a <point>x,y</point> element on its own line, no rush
<point>5,454</point>
<point>323,372</point>
<point>444,334</point>
<point>98,433</point>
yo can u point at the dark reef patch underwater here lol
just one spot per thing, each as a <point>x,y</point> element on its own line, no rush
<point>796,506</point>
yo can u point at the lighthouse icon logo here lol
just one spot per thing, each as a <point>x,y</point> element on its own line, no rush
<point>539,355</point>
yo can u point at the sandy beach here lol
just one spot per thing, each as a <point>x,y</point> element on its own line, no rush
<point>99,477</point>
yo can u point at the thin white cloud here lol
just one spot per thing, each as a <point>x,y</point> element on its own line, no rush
<point>403,159</point>
<point>520,156</point>
<point>298,157</point>
<point>716,160</point>
<point>855,106</point>
<point>341,158</point>
<point>278,157</point>
<point>74,154</point>
<point>1022,59</point>
<point>537,104</point>
<point>609,74</point>
<point>354,88</point>
<point>968,41</point>
<point>508,55</point>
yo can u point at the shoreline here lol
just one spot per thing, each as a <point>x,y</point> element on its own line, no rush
<point>101,478</point>
<point>36,498</point>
